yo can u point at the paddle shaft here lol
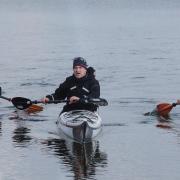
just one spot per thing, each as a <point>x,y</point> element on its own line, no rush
<point>6,98</point>
<point>3,97</point>
<point>93,100</point>
<point>49,102</point>
<point>97,101</point>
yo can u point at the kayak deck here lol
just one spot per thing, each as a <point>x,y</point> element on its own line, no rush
<point>80,125</point>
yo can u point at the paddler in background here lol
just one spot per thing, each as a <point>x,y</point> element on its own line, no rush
<point>77,88</point>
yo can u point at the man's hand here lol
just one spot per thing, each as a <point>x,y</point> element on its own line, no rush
<point>73,99</point>
<point>45,100</point>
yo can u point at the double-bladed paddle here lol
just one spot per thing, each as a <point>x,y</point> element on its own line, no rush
<point>24,103</point>
<point>16,101</point>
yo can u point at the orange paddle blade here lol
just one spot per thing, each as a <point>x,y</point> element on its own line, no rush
<point>164,108</point>
<point>34,109</point>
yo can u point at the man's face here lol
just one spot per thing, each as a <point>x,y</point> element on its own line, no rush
<point>79,71</point>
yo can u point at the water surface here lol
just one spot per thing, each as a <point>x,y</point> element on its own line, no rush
<point>134,47</point>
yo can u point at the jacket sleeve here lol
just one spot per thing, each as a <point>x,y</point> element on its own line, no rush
<point>94,90</point>
<point>60,92</point>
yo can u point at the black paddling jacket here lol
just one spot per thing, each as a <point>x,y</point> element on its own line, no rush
<point>87,86</point>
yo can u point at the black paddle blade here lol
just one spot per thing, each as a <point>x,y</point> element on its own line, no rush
<point>21,103</point>
<point>0,91</point>
<point>98,101</point>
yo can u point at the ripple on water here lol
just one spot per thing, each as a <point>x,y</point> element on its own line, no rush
<point>41,84</point>
<point>139,77</point>
<point>21,136</point>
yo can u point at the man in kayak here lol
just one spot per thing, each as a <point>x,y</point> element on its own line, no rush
<point>77,88</point>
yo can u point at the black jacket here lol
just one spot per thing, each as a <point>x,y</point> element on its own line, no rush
<point>87,86</point>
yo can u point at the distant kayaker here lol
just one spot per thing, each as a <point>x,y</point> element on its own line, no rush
<point>78,87</point>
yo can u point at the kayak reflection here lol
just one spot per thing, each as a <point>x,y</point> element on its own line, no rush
<point>83,159</point>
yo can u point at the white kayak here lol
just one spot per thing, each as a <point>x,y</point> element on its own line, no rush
<point>80,125</point>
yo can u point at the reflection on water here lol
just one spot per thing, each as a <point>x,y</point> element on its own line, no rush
<point>21,136</point>
<point>166,123</point>
<point>18,114</point>
<point>0,128</point>
<point>1,117</point>
<point>83,159</point>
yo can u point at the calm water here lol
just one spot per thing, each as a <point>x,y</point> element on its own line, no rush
<point>135,48</point>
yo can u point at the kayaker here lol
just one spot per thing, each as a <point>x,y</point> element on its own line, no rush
<point>81,85</point>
